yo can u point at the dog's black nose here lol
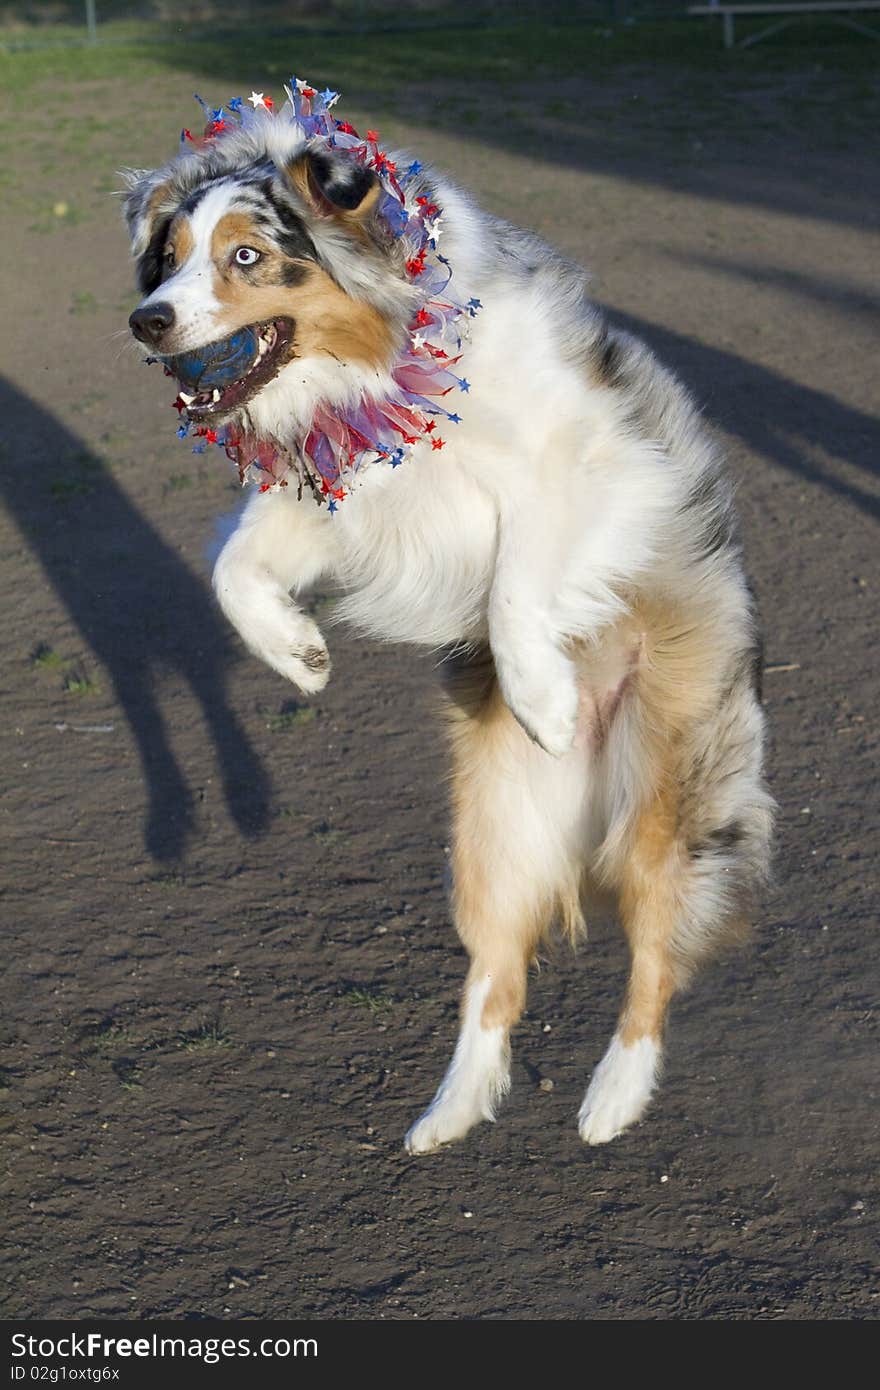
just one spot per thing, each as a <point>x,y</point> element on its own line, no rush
<point>150,321</point>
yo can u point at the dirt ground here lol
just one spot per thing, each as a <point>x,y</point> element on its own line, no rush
<point>230,976</point>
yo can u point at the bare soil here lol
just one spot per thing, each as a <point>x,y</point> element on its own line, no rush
<point>230,975</point>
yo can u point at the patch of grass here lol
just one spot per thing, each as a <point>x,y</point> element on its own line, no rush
<point>61,215</point>
<point>63,489</point>
<point>106,1035</point>
<point>368,999</point>
<point>82,472</point>
<point>83,302</point>
<point>169,880</point>
<point>291,716</point>
<point>204,1036</point>
<point>78,683</point>
<point>46,658</point>
<point>178,482</point>
<point>128,1073</point>
<point>327,835</point>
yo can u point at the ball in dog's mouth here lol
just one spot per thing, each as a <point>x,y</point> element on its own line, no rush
<point>219,377</point>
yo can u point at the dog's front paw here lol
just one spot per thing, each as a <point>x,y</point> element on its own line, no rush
<point>543,697</point>
<point>307,663</point>
<point>291,643</point>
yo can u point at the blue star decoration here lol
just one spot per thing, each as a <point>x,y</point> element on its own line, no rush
<point>464,384</point>
<point>236,104</point>
<point>396,458</point>
<point>327,96</point>
<point>454,419</point>
<point>472,306</point>
<point>218,114</point>
<point>331,506</point>
<point>414,168</point>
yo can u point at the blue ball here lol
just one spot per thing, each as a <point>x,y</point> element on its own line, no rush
<point>217,364</point>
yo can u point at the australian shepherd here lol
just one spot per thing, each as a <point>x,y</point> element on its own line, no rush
<point>564,537</point>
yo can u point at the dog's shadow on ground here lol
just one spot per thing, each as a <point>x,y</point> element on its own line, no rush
<point>137,605</point>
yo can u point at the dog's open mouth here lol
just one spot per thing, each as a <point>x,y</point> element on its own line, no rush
<point>215,380</point>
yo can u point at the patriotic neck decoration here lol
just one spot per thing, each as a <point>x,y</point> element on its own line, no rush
<point>341,441</point>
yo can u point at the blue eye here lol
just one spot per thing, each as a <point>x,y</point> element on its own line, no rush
<point>246,255</point>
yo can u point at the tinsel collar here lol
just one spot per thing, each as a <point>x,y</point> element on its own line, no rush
<point>342,440</point>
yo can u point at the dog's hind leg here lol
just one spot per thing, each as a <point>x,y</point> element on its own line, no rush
<point>517,850</point>
<point>649,906</point>
<point>685,876</point>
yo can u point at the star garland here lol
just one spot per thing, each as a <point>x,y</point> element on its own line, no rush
<point>341,441</point>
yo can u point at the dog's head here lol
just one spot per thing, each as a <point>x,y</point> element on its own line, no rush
<point>264,260</point>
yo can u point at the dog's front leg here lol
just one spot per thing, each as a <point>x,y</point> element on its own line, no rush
<point>279,545</point>
<point>536,677</point>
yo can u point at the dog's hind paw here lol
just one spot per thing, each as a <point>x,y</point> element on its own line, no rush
<point>620,1090</point>
<point>442,1123</point>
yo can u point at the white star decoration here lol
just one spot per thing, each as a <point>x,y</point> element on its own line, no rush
<point>418,340</point>
<point>256,99</point>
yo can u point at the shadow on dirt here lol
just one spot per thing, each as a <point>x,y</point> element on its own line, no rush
<point>773,416</point>
<point>139,608</point>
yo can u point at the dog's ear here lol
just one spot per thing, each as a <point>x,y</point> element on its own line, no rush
<point>148,212</point>
<point>335,185</point>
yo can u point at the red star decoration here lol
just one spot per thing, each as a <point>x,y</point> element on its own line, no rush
<point>437,443</point>
<point>431,425</point>
<point>267,101</point>
<point>178,405</point>
<point>211,436</point>
<point>373,135</point>
<point>423,317</point>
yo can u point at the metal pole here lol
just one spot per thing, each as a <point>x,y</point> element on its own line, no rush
<point>91,21</point>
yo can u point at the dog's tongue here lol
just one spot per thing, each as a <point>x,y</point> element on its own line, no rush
<point>216,364</point>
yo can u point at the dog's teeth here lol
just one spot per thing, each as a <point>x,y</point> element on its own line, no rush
<point>215,394</point>
<point>187,400</point>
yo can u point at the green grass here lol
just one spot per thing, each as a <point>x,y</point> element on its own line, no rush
<point>178,482</point>
<point>203,1037</point>
<point>328,835</point>
<point>377,62</point>
<point>78,683</point>
<point>46,658</point>
<point>291,716</point>
<point>83,302</point>
<point>368,999</point>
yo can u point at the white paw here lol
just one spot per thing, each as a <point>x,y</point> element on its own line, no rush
<point>477,1079</point>
<point>306,661</point>
<point>291,643</point>
<point>543,697</point>
<point>620,1090</point>
<point>447,1118</point>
